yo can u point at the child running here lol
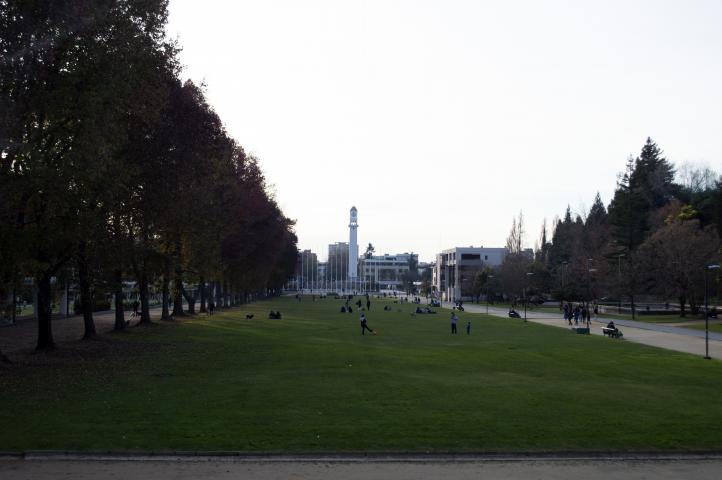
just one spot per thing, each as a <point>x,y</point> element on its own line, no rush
<point>365,327</point>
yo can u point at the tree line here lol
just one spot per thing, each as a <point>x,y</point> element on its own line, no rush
<point>656,238</point>
<point>112,168</point>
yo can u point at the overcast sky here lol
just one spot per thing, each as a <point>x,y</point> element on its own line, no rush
<point>441,120</point>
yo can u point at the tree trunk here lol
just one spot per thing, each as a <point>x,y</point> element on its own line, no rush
<point>178,293</point>
<point>226,302</point>
<point>119,298</point>
<point>219,295</point>
<point>86,293</point>
<point>682,301</point>
<point>143,293</point>
<point>165,315</point>
<point>45,330</point>
<point>190,299</point>
<point>202,292</point>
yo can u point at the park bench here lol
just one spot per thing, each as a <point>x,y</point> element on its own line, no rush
<point>611,332</point>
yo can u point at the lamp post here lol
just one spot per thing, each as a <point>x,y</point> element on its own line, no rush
<point>528,275</point>
<point>487,292</point>
<point>706,310</point>
<point>619,279</point>
<point>591,293</point>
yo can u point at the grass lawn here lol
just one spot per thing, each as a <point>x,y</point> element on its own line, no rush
<point>311,382</point>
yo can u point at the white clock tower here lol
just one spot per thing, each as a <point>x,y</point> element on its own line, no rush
<point>353,245</point>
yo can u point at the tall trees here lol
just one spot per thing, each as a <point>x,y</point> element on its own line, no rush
<point>515,240</point>
<point>673,259</point>
<point>108,160</point>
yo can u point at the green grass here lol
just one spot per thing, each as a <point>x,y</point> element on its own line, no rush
<point>311,382</point>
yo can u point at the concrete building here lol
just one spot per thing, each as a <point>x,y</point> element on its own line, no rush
<point>337,268</point>
<point>455,268</point>
<point>386,272</point>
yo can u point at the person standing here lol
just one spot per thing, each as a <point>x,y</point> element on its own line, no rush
<point>364,326</point>
<point>454,319</point>
<point>468,328</point>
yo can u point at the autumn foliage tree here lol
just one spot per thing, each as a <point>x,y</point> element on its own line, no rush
<point>109,163</point>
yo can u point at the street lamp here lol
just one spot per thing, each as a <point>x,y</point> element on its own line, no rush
<point>564,267</point>
<point>591,292</point>
<point>619,280</point>
<point>706,310</point>
<point>488,286</point>
<point>528,275</point>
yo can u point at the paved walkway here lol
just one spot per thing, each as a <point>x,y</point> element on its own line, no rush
<point>368,468</point>
<point>657,335</point>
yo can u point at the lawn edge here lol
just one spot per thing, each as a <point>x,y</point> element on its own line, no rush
<point>362,456</point>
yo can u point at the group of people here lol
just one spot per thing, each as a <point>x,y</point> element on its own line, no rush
<point>578,313</point>
<point>347,308</point>
<point>424,310</point>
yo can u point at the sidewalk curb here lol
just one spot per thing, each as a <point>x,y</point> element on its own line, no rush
<point>362,457</point>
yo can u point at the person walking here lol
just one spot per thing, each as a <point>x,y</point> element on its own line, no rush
<point>364,326</point>
<point>454,319</point>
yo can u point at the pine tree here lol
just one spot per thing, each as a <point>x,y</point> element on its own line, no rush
<point>597,214</point>
<point>653,176</point>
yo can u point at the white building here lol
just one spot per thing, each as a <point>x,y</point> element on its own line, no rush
<point>455,269</point>
<point>386,272</point>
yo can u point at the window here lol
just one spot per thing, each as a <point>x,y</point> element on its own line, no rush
<point>470,256</point>
<point>486,257</point>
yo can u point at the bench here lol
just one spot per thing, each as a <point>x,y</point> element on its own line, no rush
<point>581,330</point>
<point>612,332</point>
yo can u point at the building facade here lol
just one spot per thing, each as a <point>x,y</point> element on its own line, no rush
<point>337,268</point>
<point>455,269</point>
<point>386,272</point>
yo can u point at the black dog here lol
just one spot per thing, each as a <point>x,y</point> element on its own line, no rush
<point>248,317</point>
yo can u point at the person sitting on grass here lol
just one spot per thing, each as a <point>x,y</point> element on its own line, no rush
<point>364,326</point>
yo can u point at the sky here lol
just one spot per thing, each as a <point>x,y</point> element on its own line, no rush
<point>442,120</point>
